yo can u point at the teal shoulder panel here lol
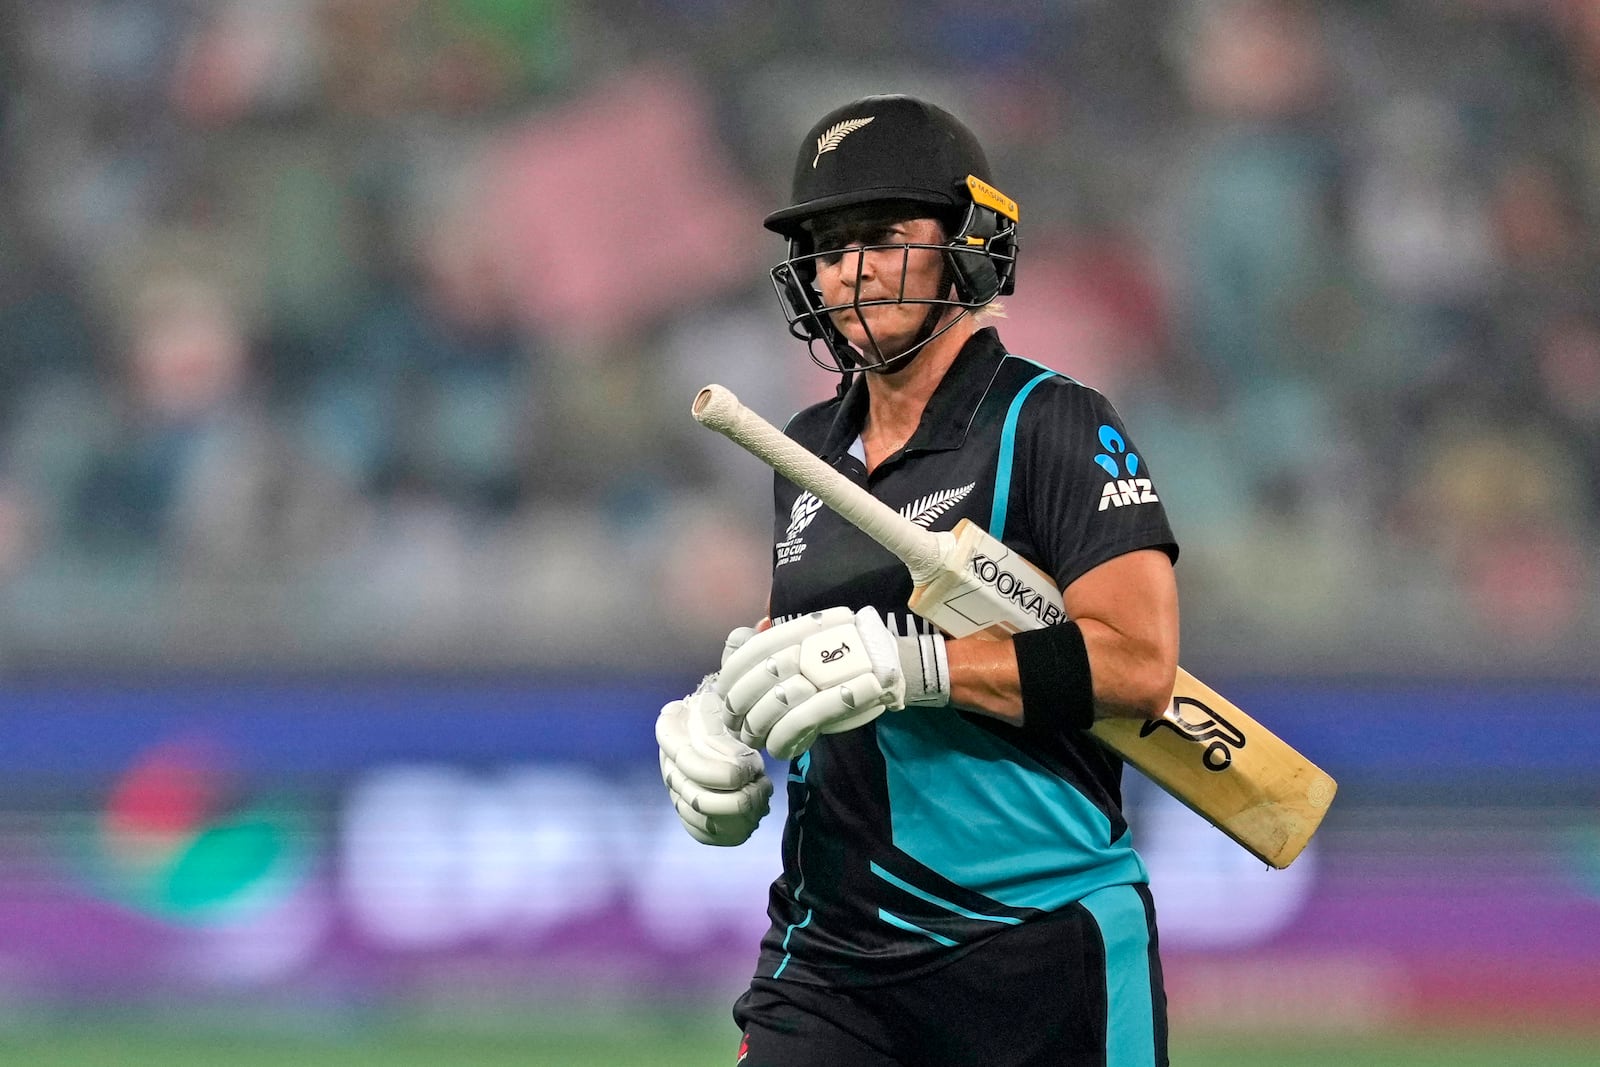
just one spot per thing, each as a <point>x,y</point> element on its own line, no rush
<point>1008,445</point>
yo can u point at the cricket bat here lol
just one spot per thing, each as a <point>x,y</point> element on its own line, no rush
<point>1221,763</point>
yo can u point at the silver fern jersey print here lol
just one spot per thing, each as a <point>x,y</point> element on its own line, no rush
<point>924,511</point>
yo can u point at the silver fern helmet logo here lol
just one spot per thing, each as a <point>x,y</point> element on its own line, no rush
<point>836,133</point>
<point>926,510</point>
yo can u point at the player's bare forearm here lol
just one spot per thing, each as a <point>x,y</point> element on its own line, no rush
<point>1127,611</point>
<point>983,677</point>
<point>1131,680</point>
<point>1133,677</point>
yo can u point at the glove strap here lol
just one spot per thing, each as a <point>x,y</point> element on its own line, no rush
<point>927,670</point>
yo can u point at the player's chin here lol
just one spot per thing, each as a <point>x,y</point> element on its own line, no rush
<point>877,344</point>
<point>874,359</point>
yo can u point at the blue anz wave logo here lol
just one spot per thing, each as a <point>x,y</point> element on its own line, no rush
<point>1125,487</point>
<point>1112,442</point>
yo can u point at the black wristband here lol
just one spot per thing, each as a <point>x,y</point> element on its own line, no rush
<point>1053,669</point>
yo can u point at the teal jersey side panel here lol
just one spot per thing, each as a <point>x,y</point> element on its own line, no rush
<point>957,791</point>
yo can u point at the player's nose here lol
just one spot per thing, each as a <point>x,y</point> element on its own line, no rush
<point>853,264</point>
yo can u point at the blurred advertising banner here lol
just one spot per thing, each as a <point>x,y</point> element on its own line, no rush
<point>406,842</point>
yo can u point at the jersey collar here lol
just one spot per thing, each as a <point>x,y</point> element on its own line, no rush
<point>949,412</point>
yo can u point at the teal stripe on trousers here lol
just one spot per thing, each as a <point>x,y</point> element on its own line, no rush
<point>1130,1023</point>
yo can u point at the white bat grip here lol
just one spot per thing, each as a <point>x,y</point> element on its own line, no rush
<point>717,408</point>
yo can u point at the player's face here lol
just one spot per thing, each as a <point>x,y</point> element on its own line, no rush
<point>867,259</point>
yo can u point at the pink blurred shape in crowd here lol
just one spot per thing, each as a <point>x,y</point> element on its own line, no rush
<point>619,208</point>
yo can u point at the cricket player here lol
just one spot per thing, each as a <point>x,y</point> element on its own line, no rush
<point>959,884</point>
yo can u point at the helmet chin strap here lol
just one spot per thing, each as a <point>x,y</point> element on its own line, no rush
<point>927,331</point>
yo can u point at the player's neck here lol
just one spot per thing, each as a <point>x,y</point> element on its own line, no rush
<point>896,401</point>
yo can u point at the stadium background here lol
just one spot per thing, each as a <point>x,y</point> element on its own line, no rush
<point>353,527</point>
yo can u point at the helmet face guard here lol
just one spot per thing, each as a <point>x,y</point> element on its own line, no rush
<point>976,266</point>
<point>912,160</point>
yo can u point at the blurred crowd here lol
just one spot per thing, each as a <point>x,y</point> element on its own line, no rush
<point>348,334</point>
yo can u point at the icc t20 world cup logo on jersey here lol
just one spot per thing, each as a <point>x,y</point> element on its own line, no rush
<point>801,512</point>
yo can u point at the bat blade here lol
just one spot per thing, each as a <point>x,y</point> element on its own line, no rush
<point>1209,754</point>
<point>1229,769</point>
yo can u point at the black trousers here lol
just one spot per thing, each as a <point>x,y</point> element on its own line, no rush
<point>1081,987</point>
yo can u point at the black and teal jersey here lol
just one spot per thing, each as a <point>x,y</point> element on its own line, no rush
<point>928,830</point>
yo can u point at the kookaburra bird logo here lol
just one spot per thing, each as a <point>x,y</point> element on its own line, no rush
<point>837,132</point>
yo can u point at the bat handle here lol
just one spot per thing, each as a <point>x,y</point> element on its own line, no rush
<point>920,550</point>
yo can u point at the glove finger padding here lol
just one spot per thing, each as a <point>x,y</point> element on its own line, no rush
<point>700,827</point>
<point>719,787</point>
<point>750,801</point>
<point>692,734</point>
<point>838,708</point>
<point>772,705</point>
<point>746,691</point>
<point>823,656</point>
<point>771,641</point>
<point>721,830</point>
<point>735,640</point>
<point>796,664</point>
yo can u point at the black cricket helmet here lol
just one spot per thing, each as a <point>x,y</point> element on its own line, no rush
<point>911,159</point>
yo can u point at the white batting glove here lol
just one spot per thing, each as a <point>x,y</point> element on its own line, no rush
<point>736,640</point>
<point>827,672</point>
<point>718,784</point>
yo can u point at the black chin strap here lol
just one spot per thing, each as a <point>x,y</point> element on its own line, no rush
<point>930,322</point>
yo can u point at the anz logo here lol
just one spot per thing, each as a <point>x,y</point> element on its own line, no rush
<point>1125,487</point>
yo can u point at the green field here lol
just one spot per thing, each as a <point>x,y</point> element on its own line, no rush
<point>686,1043</point>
